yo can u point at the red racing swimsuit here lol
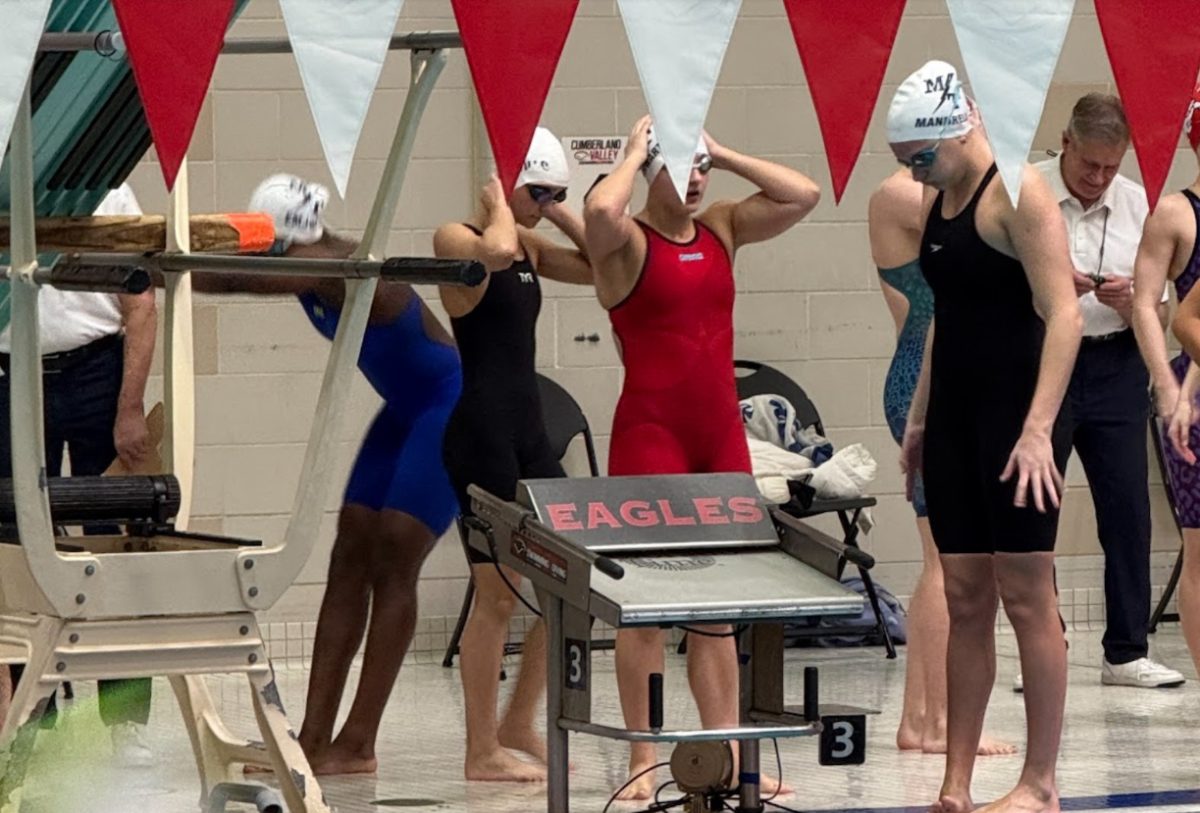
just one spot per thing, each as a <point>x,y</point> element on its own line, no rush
<point>678,412</point>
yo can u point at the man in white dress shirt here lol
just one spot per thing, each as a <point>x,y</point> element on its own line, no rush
<point>1108,399</point>
<point>96,353</point>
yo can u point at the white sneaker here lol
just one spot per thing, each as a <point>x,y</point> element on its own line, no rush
<point>1142,673</point>
<point>130,749</point>
<point>1019,683</point>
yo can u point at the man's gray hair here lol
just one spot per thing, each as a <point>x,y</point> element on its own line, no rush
<point>1099,117</point>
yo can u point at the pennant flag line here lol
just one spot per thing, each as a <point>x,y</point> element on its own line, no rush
<point>678,46</point>
<point>173,48</point>
<point>1155,61</point>
<point>512,87</point>
<point>1010,50</point>
<point>340,57</point>
<point>844,48</point>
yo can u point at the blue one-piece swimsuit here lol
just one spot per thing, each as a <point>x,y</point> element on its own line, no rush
<point>399,464</point>
<point>905,369</point>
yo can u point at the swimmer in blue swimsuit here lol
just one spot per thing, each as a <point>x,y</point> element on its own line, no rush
<point>398,500</point>
<point>896,223</point>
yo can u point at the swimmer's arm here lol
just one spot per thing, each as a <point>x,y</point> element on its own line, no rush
<point>1155,256</point>
<point>567,222</point>
<point>558,262</point>
<point>1191,384</point>
<point>1186,325</point>
<point>329,247</point>
<point>784,198</point>
<point>1038,235</point>
<point>497,248</point>
<point>607,224</point>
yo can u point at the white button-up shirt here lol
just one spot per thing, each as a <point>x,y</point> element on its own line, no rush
<point>1103,238</point>
<point>68,320</point>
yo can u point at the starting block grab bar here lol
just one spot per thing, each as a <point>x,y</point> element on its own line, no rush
<point>116,279</point>
<point>412,270</point>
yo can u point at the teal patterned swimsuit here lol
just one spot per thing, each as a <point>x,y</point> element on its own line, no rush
<point>905,369</point>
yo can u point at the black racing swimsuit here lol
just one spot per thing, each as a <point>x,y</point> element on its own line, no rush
<point>987,349</point>
<point>496,434</point>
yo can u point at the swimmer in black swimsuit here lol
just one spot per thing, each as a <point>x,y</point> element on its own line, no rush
<point>496,434</point>
<point>985,418</point>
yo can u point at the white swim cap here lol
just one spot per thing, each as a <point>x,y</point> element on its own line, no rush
<point>295,204</point>
<point>929,105</point>
<point>546,162</point>
<point>655,162</point>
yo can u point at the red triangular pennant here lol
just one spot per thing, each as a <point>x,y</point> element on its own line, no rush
<point>1154,49</point>
<point>844,48</point>
<point>173,48</point>
<point>513,48</point>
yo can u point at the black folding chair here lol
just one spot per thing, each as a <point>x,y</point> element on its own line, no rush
<point>1160,612</point>
<point>756,378</point>
<point>564,422</point>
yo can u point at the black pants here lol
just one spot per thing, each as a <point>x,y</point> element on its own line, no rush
<point>1109,409</point>
<point>80,411</point>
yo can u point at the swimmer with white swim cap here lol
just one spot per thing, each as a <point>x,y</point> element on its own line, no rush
<point>497,435</point>
<point>1005,334</point>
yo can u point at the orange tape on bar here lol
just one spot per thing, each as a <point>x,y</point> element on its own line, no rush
<point>256,231</point>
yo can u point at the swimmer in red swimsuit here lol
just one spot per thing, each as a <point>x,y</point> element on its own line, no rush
<point>666,277</point>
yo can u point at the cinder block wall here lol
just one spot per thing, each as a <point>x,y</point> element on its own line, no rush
<point>808,301</point>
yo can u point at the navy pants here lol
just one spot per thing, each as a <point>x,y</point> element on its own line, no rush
<point>1109,411</point>
<point>80,398</point>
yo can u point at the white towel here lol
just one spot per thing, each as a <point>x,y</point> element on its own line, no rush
<point>774,467</point>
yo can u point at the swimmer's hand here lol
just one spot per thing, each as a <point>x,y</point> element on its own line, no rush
<point>492,194</point>
<point>716,151</point>
<point>912,456</point>
<point>1032,460</point>
<point>1179,429</point>
<point>637,148</point>
<point>1166,399</point>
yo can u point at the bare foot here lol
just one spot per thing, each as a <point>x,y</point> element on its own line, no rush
<point>952,804</point>
<point>908,738</point>
<point>501,766</point>
<point>772,788</point>
<point>642,788</point>
<point>989,747</point>
<point>525,740</point>
<point>339,760</point>
<point>1024,799</point>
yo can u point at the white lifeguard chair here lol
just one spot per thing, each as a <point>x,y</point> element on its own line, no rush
<point>175,605</point>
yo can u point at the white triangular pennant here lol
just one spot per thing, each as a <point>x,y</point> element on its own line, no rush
<point>1010,50</point>
<point>679,46</point>
<point>340,56</point>
<point>24,21</point>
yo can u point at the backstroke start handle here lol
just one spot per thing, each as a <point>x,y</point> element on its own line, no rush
<point>609,568</point>
<point>656,702</point>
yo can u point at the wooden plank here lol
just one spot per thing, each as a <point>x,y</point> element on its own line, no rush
<point>225,233</point>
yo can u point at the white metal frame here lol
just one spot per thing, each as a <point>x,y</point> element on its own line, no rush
<point>178,613</point>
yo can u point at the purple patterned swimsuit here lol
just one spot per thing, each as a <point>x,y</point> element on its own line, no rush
<point>1185,478</point>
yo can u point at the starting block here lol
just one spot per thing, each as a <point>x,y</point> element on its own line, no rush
<point>669,551</point>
